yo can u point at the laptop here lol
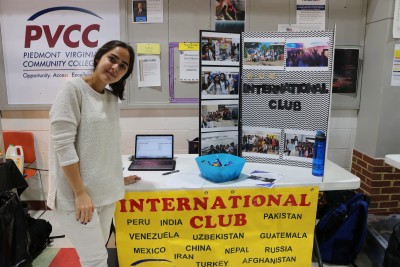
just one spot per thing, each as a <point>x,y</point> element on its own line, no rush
<point>153,152</point>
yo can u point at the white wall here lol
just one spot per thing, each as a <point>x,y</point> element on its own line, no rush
<point>182,123</point>
<point>378,119</point>
<point>342,135</point>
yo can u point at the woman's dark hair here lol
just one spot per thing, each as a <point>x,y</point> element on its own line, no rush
<point>224,80</point>
<point>217,75</point>
<point>119,86</point>
<point>203,49</point>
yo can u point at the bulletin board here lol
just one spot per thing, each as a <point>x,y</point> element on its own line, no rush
<point>182,23</point>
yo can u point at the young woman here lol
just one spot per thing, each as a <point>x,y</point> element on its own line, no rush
<point>86,177</point>
<point>226,85</point>
<point>216,88</point>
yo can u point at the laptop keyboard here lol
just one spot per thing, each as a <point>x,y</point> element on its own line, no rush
<point>152,164</point>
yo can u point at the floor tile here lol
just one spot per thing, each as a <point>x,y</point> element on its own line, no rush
<point>45,258</point>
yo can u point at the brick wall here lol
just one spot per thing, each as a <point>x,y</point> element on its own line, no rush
<point>379,181</point>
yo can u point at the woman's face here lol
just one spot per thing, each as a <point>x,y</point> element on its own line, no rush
<point>113,65</point>
<point>216,79</point>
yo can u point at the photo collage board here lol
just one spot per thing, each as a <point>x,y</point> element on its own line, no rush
<point>285,94</point>
<point>219,93</point>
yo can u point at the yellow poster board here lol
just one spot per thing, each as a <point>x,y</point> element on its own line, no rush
<point>217,227</point>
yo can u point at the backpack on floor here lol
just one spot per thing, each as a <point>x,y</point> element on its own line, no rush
<point>331,199</point>
<point>341,231</point>
<point>392,252</point>
<point>39,234</point>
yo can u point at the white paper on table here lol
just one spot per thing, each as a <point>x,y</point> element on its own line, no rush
<point>149,71</point>
<point>263,178</point>
<point>189,66</point>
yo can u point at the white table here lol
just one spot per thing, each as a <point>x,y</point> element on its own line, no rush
<point>393,159</point>
<point>189,177</point>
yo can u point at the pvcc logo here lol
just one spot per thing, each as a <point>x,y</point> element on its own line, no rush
<point>37,32</point>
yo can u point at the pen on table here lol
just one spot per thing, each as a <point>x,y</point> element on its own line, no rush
<point>166,173</point>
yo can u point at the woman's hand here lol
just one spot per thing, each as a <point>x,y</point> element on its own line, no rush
<point>83,203</point>
<point>131,179</point>
<point>83,207</point>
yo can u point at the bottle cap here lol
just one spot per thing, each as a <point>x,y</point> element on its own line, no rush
<point>320,135</point>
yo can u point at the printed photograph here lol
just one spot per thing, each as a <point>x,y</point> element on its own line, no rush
<point>139,11</point>
<point>220,115</point>
<point>220,48</point>
<point>230,15</point>
<point>261,141</point>
<point>299,145</point>
<point>265,54</point>
<point>220,82</point>
<point>307,54</point>
<point>220,142</point>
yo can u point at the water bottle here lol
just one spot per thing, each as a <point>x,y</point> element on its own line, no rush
<point>319,154</point>
<point>17,155</point>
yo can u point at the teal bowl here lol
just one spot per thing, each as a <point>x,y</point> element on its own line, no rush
<point>230,170</point>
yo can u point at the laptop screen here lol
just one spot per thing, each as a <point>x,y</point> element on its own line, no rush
<point>154,147</point>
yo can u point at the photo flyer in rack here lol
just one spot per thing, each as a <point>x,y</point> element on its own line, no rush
<point>219,92</point>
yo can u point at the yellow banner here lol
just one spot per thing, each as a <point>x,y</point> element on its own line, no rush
<point>217,227</point>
